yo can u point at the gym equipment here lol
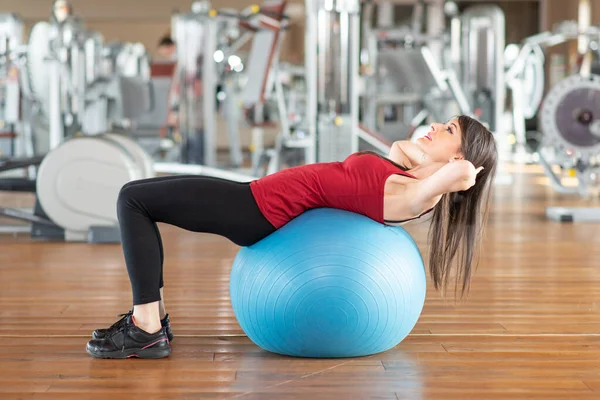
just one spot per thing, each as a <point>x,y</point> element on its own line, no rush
<point>56,70</point>
<point>332,51</point>
<point>126,59</point>
<point>330,283</point>
<point>407,76</point>
<point>413,79</point>
<point>404,69</point>
<point>570,122</point>
<point>525,79</point>
<point>77,187</point>
<point>525,75</point>
<point>571,116</point>
<point>454,76</point>
<point>328,128</point>
<point>480,61</point>
<point>207,43</point>
<point>13,140</point>
<point>409,72</point>
<point>478,44</point>
<point>79,85</point>
<point>71,86</point>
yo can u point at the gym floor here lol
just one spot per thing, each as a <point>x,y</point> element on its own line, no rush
<point>530,327</point>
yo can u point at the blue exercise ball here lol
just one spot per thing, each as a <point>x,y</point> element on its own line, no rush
<point>329,284</point>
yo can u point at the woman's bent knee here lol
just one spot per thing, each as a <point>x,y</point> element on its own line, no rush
<point>126,197</point>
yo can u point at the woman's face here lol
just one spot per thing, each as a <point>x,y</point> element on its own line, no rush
<point>443,142</point>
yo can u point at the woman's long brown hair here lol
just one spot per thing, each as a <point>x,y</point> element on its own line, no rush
<point>459,218</point>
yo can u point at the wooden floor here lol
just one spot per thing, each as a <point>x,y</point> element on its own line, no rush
<point>530,328</point>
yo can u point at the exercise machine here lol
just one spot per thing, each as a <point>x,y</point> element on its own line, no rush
<point>15,133</point>
<point>76,180</point>
<point>328,128</point>
<point>335,86</point>
<point>332,51</point>
<point>429,74</point>
<point>76,188</point>
<point>71,79</point>
<point>525,81</point>
<point>570,122</point>
<point>209,42</point>
<point>406,73</point>
<point>479,62</point>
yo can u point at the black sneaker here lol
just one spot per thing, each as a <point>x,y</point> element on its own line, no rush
<point>130,341</point>
<point>101,333</point>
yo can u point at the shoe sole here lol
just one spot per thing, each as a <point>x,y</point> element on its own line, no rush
<point>151,352</point>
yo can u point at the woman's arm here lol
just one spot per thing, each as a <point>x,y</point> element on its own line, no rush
<point>406,153</point>
<point>452,177</point>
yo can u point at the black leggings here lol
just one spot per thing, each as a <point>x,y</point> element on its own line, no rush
<point>194,203</point>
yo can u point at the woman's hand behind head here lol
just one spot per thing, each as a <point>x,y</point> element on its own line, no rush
<point>459,175</point>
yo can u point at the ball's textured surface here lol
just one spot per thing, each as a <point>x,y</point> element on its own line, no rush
<point>330,284</point>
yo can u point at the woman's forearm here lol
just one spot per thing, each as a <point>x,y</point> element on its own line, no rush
<point>452,177</point>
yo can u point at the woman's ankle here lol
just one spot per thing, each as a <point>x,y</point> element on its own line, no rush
<point>147,317</point>
<point>161,305</point>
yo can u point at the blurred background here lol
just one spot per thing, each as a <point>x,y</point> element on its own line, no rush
<point>240,90</point>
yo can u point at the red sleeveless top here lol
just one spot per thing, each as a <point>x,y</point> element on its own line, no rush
<point>355,184</point>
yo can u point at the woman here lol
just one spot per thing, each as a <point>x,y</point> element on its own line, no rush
<point>438,173</point>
